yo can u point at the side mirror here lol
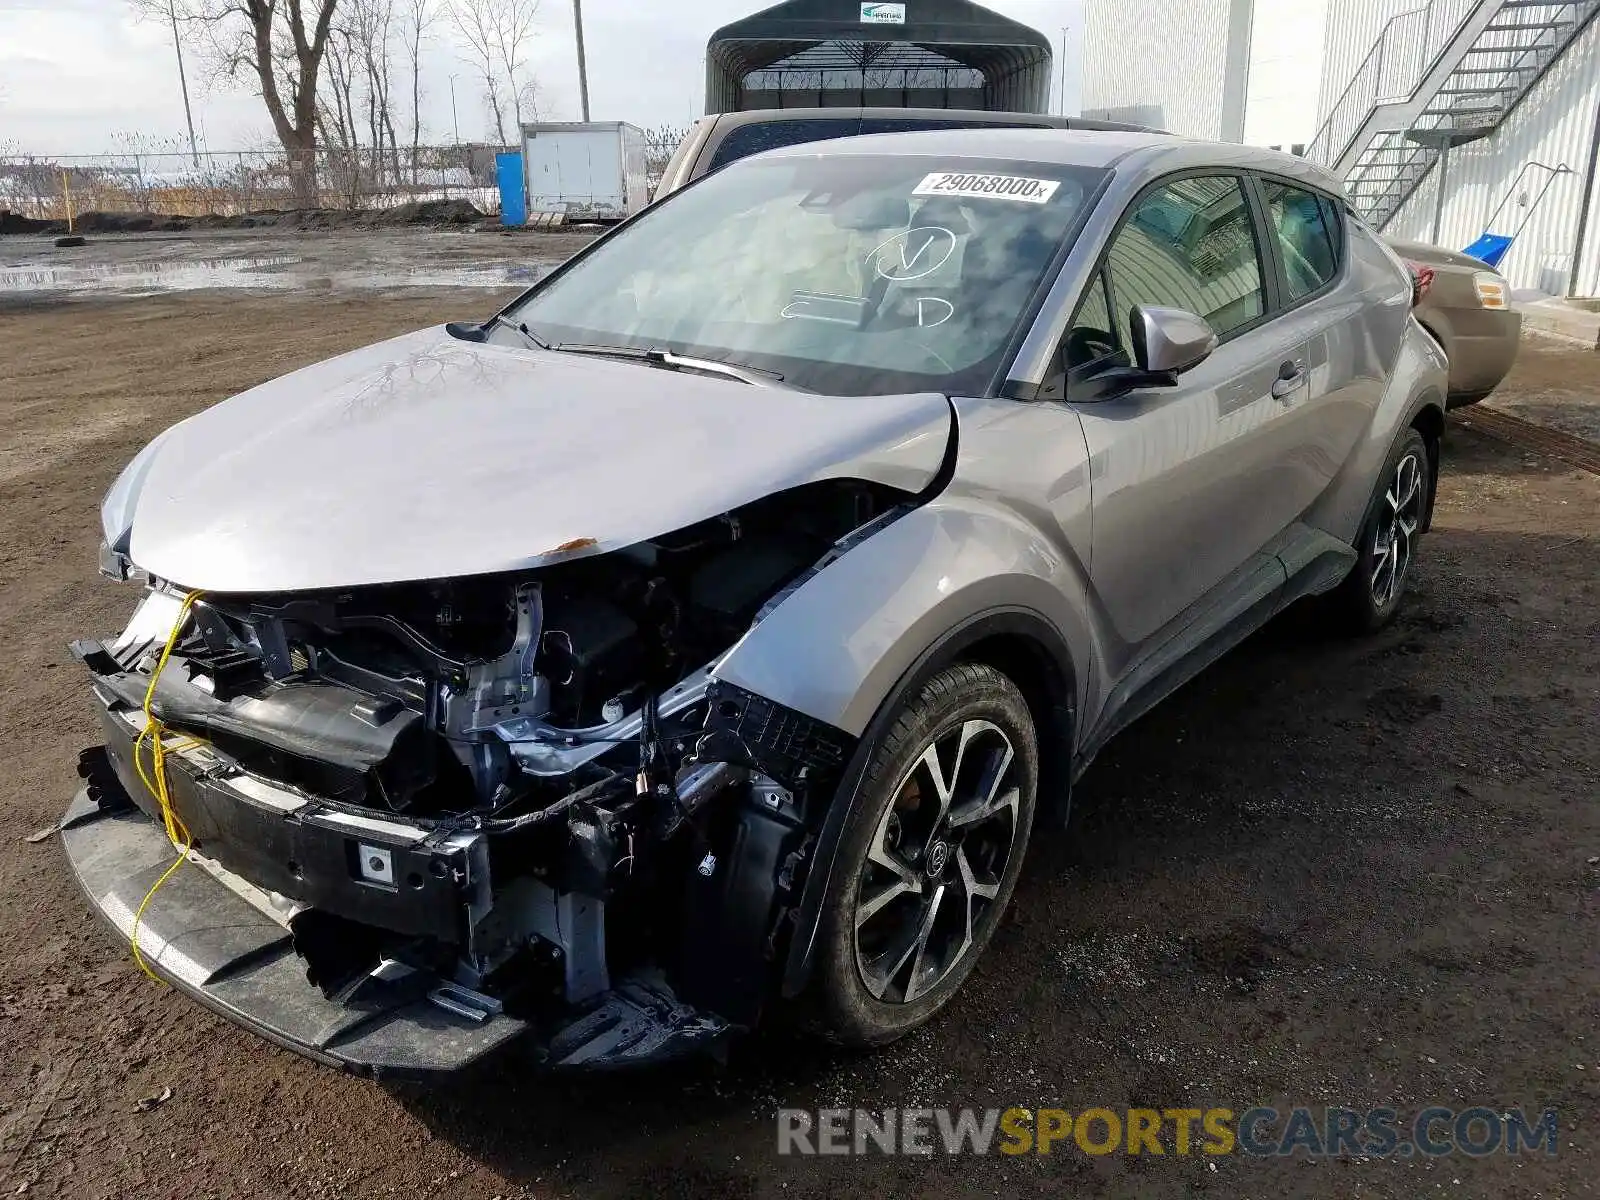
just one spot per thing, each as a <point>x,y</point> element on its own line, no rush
<point>1169,341</point>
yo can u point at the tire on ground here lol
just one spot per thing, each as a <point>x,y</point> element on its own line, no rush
<point>1351,606</point>
<point>843,1010</point>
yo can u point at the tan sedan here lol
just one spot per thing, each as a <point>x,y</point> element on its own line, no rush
<point>1466,305</point>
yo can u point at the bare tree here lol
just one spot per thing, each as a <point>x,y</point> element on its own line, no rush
<point>529,97</point>
<point>659,144</point>
<point>499,34</point>
<point>474,21</point>
<point>337,125</point>
<point>371,24</point>
<point>281,44</point>
<point>515,33</point>
<point>418,17</point>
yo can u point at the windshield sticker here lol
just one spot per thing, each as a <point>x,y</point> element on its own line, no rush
<point>988,187</point>
<point>913,253</point>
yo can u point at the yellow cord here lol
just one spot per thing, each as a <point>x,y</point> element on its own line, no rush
<point>154,731</point>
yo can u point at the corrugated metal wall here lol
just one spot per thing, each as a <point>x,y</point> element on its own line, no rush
<point>1377,55</point>
<point>1554,125</point>
<point>1170,61</point>
<point>1285,51</point>
<point>1353,29</point>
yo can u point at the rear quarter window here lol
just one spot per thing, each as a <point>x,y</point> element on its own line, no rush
<point>1310,234</point>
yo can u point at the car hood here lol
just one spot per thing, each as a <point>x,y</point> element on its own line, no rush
<point>428,457</point>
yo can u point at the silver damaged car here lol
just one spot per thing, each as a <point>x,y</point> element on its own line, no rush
<point>706,632</point>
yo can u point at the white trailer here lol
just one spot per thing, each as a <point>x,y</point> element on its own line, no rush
<point>585,170</point>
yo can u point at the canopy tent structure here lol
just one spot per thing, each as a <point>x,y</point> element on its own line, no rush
<point>849,53</point>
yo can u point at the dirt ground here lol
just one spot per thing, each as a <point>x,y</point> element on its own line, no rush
<point>1327,872</point>
<point>1549,392</point>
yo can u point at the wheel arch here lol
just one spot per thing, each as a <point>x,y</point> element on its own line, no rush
<point>1019,643</point>
<point>1429,422</point>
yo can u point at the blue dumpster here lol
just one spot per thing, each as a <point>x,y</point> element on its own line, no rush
<point>513,191</point>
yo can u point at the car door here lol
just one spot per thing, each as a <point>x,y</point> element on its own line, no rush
<point>1345,370</point>
<point>1190,484</point>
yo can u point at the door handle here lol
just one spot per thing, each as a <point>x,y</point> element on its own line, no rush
<point>1290,376</point>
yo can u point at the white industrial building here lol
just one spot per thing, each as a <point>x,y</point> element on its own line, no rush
<point>1228,70</point>
<point>1171,64</point>
<point>1447,119</point>
<point>1464,117</point>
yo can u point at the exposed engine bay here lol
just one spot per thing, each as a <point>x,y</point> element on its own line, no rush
<point>529,786</point>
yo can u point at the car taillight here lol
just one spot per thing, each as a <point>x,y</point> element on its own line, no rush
<point>1421,281</point>
<point>1492,290</point>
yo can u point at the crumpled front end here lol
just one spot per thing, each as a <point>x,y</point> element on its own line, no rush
<point>431,819</point>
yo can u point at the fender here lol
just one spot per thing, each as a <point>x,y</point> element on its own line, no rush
<point>848,644</point>
<point>1416,386</point>
<point>835,647</point>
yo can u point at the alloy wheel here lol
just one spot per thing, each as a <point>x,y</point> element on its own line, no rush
<point>1395,531</point>
<point>936,860</point>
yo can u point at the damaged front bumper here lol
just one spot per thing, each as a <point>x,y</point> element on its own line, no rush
<point>228,943</point>
<point>206,940</point>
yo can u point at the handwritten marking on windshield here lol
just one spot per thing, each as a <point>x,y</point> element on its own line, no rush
<point>933,311</point>
<point>920,252</point>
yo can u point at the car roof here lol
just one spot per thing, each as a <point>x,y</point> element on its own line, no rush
<point>1151,153</point>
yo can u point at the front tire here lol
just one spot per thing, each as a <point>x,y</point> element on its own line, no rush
<point>1370,595</point>
<point>929,856</point>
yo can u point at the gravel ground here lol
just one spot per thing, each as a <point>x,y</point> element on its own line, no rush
<point>1326,872</point>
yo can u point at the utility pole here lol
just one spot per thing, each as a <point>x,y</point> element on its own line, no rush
<point>583,66</point>
<point>455,121</point>
<point>1064,70</point>
<point>183,83</point>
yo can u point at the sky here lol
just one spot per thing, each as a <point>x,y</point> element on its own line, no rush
<point>89,77</point>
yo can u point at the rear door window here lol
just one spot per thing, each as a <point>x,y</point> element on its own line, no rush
<point>744,140</point>
<point>1308,230</point>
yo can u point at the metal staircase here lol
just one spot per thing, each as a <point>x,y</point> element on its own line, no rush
<point>1437,76</point>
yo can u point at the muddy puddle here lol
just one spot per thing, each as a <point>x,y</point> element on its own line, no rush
<point>284,272</point>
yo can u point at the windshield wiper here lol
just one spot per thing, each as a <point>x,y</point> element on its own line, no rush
<point>682,362</point>
<point>518,327</point>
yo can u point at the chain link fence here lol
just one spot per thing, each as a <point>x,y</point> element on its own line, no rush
<point>236,183</point>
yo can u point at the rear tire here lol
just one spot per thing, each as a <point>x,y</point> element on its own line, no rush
<point>1370,595</point>
<point>928,858</point>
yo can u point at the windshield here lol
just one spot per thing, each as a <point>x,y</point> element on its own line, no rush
<point>846,274</point>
